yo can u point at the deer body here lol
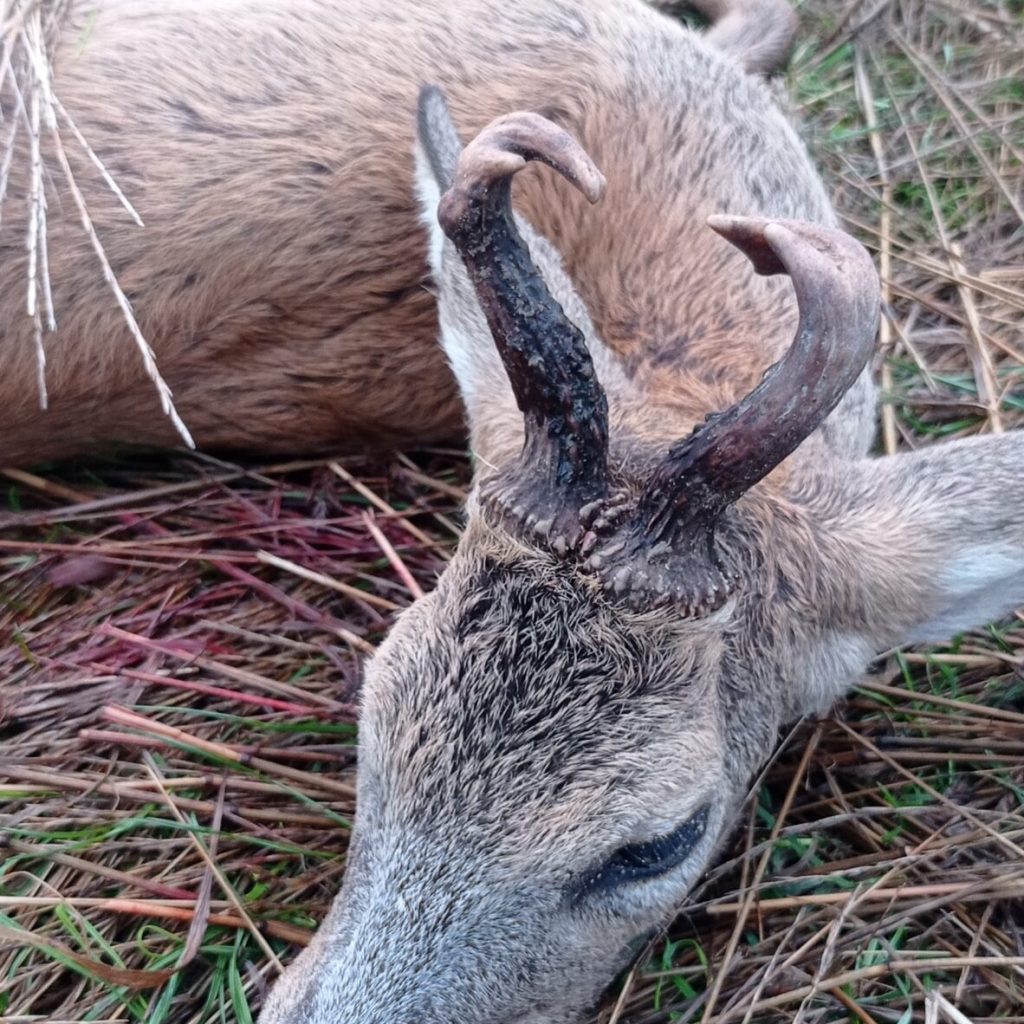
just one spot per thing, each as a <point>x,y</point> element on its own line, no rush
<point>281,275</point>
<point>554,741</point>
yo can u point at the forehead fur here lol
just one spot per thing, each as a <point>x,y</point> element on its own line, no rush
<point>518,684</point>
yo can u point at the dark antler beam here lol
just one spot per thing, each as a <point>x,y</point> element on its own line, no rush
<point>564,459</point>
<point>666,550</point>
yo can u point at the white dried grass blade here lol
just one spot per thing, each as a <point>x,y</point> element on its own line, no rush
<point>35,188</point>
<point>35,45</point>
<point>945,1009</point>
<point>98,163</point>
<point>36,229</point>
<point>25,28</point>
<point>44,270</point>
<point>148,357</point>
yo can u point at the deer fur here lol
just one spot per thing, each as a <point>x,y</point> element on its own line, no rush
<point>525,723</point>
<point>281,275</point>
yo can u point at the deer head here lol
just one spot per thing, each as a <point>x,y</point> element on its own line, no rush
<point>554,741</point>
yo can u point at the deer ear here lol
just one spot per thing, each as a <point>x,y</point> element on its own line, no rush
<point>495,424</point>
<point>928,544</point>
<point>913,548</point>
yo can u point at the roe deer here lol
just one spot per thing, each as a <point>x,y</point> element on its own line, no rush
<point>669,553</point>
<point>553,742</point>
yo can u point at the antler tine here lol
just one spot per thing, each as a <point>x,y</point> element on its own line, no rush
<point>563,465</point>
<point>505,146</point>
<point>668,551</point>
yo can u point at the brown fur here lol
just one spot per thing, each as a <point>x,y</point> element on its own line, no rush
<point>280,275</point>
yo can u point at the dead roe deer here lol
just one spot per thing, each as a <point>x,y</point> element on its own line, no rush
<point>669,552</point>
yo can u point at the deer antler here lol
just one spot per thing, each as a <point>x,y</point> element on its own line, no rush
<point>563,465</point>
<point>665,550</point>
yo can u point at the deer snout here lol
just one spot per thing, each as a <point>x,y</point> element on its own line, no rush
<point>441,945</point>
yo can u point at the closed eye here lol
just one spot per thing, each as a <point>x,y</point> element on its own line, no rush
<point>639,861</point>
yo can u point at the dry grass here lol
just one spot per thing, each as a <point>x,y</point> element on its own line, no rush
<point>182,640</point>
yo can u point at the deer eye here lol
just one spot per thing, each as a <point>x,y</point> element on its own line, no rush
<point>639,861</point>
